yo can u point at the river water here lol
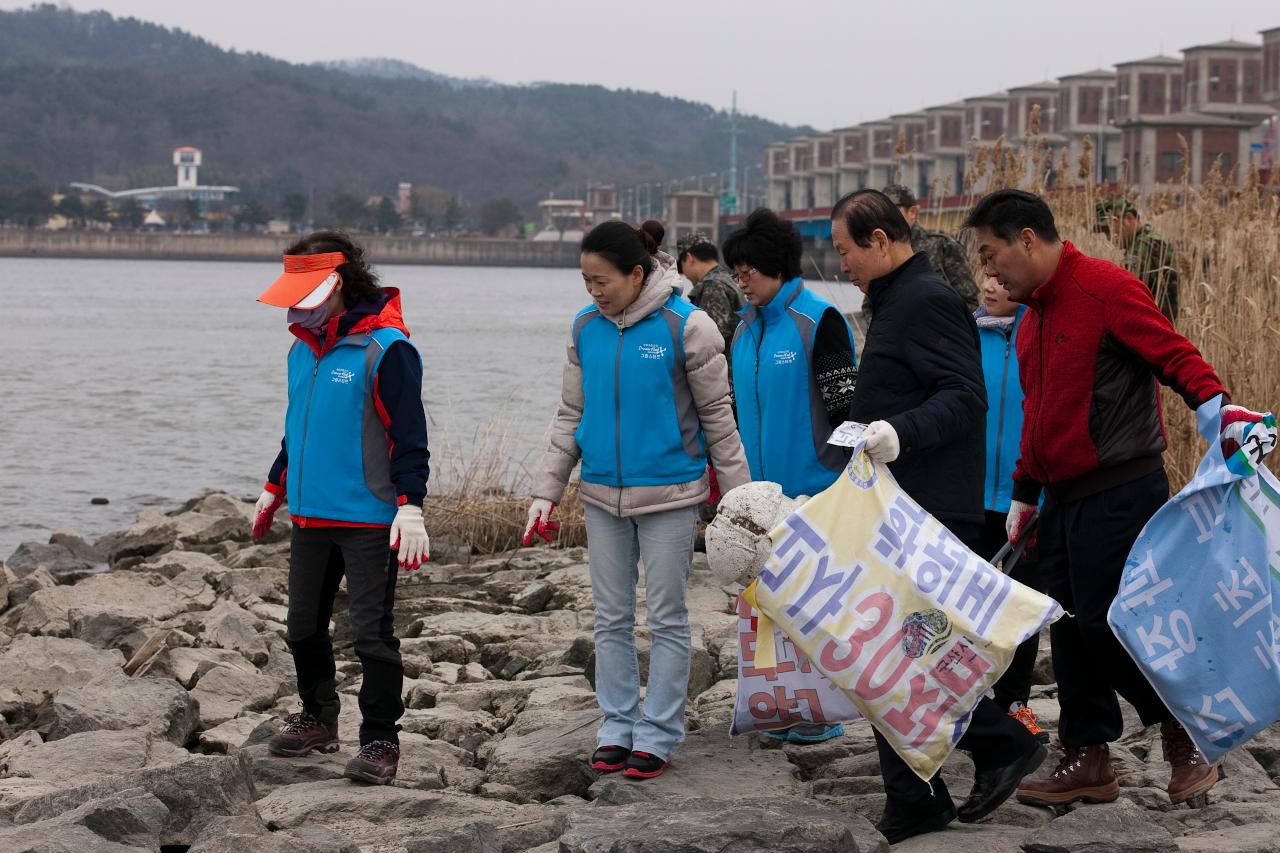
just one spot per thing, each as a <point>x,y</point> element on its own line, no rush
<point>145,382</point>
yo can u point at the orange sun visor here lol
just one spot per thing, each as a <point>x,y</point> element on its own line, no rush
<point>303,277</point>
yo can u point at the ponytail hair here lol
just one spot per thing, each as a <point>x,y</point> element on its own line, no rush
<point>626,246</point>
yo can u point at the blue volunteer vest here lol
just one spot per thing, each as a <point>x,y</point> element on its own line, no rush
<point>1004,412</point>
<point>339,465</point>
<point>781,416</point>
<point>639,424</point>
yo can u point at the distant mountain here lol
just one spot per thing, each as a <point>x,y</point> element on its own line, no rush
<point>398,69</point>
<point>90,97</point>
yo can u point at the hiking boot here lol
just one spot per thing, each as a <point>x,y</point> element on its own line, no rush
<point>1084,773</point>
<point>1190,774</point>
<point>644,765</point>
<point>1023,714</point>
<point>376,763</point>
<point>302,733</point>
<point>610,759</point>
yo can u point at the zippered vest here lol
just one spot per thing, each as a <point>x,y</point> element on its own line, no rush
<point>639,424</point>
<point>781,417</point>
<point>1004,412</point>
<point>339,456</point>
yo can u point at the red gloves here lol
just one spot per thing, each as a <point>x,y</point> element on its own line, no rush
<point>264,512</point>
<point>715,487</point>
<point>540,523</point>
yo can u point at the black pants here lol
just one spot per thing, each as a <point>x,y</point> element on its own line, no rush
<point>318,558</point>
<point>1015,684</point>
<point>993,738</point>
<point>1083,548</point>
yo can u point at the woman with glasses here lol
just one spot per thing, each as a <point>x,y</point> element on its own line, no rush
<point>645,407</point>
<point>794,372</point>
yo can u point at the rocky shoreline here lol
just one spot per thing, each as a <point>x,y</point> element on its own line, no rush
<point>141,674</point>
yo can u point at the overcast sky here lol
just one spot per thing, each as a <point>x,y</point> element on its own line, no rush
<point>820,62</point>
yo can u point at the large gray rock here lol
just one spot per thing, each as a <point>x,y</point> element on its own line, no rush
<point>547,758</point>
<point>712,826</point>
<point>114,701</point>
<point>242,834</point>
<point>458,726</point>
<point>229,626</point>
<point>139,599</point>
<point>61,838</point>
<point>63,565</point>
<point>88,756</point>
<point>225,692</point>
<point>1251,838</point>
<point>34,668</point>
<point>194,791</point>
<point>151,533</point>
<point>187,665</point>
<point>484,628</point>
<point>1119,828</point>
<point>235,735</point>
<point>21,589</point>
<point>174,563</point>
<point>471,837</point>
<point>4,589</point>
<point>77,544</point>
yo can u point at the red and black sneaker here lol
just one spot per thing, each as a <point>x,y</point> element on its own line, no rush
<point>643,765</point>
<point>375,763</point>
<point>302,733</point>
<point>610,759</point>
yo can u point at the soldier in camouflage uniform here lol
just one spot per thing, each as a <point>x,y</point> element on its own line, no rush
<point>713,290</point>
<point>946,255</point>
<point>1147,254</point>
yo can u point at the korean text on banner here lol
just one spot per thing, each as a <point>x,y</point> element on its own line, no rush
<point>895,610</point>
<point>1197,606</point>
<point>785,694</point>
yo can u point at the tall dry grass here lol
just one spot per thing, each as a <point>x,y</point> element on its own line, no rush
<point>479,492</point>
<point>1227,238</point>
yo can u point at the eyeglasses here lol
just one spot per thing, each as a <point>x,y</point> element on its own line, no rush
<point>744,276</point>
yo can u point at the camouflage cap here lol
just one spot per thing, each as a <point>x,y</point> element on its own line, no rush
<point>900,195</point>
<point>1112,206</point>
<point>688,241</point>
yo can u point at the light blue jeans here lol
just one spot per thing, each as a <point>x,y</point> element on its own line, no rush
<point>615,547</point>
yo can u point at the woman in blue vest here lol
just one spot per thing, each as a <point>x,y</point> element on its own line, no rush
<point>794,372</point>
<point>645,407</point>
<point>998,318</point>
<point>353,465</point>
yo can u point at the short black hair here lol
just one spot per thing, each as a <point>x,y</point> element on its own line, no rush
<point>359,282</point>
<point>1007,212</point>
<point>864,211</point>
<point>703,251</point>
<point>766,242</point>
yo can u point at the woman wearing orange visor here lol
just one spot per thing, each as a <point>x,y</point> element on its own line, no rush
<point>353,465</point>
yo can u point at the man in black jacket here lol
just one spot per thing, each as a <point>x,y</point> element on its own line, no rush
<point>921,394</point>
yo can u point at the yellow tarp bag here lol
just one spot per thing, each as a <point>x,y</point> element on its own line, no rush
<point>894,610</point>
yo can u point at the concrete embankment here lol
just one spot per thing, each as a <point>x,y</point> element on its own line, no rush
<point>257,247</point>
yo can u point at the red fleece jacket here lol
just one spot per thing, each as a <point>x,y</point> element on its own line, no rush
<point>1089,353</point>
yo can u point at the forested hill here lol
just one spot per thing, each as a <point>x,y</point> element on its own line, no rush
<point>91,97</point>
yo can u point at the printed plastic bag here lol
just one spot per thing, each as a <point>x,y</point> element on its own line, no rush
<point>1197,605</point>
<point>789,692</point>
<point>894,610</point>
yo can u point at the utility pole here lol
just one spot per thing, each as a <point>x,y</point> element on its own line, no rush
<point>733,153</point>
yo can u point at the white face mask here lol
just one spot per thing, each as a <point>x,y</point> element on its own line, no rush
<point>312,312</point>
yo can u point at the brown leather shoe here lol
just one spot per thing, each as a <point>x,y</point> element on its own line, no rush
<point>1084,773</point>
<point>1190,773</point>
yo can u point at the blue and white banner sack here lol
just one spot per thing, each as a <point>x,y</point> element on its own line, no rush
<point>1197,605</point>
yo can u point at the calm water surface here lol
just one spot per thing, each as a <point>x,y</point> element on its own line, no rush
<point>145,382</point>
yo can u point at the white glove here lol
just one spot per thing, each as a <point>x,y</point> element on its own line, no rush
<point>882,441</point>
<point>409,537</point>
<point>1015,523</point>
<point>540,523</point>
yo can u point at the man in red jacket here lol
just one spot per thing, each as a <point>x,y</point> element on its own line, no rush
<point>1091,353</point>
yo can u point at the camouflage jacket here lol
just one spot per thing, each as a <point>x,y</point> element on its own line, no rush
<point>947,257</point>
<point>721,299</point>
<point>1154,261</point>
